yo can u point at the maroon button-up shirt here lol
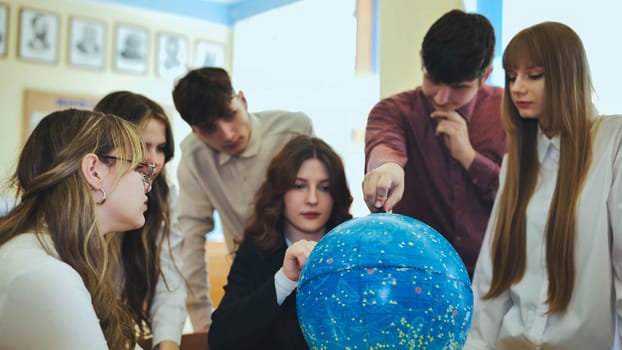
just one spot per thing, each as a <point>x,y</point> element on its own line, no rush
<point>438,190</point>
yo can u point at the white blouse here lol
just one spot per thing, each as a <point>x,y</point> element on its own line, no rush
<point>43,302</point>
<point>517,318</point>
<point>168,311</point>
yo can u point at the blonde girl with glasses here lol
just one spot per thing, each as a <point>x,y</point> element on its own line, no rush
<point>56,288</point>
<point>153,288</point>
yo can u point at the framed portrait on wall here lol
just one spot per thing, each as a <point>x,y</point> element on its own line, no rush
<point>131,48</point>
<point>172,55</point>
<point>38,35</point>
<point>4,28</point>
<point>87,43</point>
<point>209,54</point>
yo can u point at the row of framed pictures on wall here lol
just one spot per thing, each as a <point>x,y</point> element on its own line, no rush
<point>38,41</point>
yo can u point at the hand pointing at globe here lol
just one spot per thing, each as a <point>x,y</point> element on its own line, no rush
<point>383,187</point>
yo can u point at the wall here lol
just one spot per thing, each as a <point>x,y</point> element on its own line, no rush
<point>288,59</point>
<point>403,23</point>
<point>16,75</point>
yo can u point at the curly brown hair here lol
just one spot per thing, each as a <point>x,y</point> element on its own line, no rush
<point>266,226</point>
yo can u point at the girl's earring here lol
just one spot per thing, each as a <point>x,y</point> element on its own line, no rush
<point>101,201</point>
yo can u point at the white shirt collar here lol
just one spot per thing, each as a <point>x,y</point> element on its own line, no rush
<point>548,148</point>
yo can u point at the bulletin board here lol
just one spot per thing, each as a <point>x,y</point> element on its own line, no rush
<point>38,104</point>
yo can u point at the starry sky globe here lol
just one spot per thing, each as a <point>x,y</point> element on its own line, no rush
<point>384,281</point>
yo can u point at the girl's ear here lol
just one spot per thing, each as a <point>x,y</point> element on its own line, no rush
<point>91,169</point>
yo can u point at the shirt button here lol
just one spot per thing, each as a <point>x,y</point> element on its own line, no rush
<point>459,212</point>
<point>475,181</point>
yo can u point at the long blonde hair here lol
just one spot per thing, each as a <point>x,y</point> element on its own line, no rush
<point>56,200</point>
<point>570,114</point>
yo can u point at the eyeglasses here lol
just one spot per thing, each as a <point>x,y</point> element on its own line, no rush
<point>146,171</point>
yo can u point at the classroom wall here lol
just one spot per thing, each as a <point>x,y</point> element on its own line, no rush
<point>16,75</point>
<point>285,60</point>
<point>403,23</point>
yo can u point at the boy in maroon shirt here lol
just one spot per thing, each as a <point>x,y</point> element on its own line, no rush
<point>433,153</point>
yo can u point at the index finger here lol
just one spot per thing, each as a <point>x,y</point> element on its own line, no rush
<point>380,193</point>
<point>369,184</point>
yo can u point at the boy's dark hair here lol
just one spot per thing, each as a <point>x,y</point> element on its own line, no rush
<point>203,95</point>
<point>459,46</point>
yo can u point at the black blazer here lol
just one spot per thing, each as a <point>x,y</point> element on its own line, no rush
<point>248,316</point>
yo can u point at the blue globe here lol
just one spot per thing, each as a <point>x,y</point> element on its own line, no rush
<point>384,281</point>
